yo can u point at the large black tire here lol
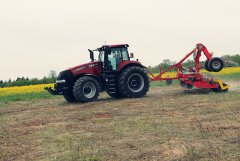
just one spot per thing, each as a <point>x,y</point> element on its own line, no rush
<point>133,82</point>
<point>216,64</point>
<point>206,66</point>
<point>86,89</point>
<point>169,82</point>
<point>70,98</point>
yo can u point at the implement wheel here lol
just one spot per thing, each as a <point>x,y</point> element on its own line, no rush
<point>206,66</point>
<point>169,82</point>
<point>215,64</point>
<point>185,85</point>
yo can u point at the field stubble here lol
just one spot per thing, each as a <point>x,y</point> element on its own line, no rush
<point>168,124</point>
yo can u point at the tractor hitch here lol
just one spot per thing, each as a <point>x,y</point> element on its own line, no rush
<point>50,90</point>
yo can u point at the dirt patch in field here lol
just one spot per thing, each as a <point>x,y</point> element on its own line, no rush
<point>103,115</point>
<point>234,86</point>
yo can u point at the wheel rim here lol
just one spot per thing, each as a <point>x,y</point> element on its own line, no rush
<point>135,82</point>
<point>89,90</point>
<point>216,64</point>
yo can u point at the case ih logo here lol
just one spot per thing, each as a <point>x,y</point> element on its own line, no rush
<point>92,65</point>
<point>81,68</point>
<point>84,67</point>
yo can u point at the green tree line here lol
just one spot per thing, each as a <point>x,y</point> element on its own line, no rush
<point>230,61</point>
<point>22,81</point>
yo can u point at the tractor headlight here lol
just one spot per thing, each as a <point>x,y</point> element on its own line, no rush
<point>60,81</point>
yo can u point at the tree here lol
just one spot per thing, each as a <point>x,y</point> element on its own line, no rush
<point>231,61</point>
<point>52,74</point>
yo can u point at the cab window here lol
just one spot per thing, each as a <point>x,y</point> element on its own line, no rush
<point>125,55</point>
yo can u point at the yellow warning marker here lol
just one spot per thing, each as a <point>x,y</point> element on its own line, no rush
<point>222,85</point>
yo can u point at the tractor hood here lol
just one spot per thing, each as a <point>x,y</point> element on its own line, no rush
<point>83,67</point>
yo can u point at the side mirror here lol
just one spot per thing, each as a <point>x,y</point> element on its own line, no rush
<point>91,55</point>
<point>131,55</point>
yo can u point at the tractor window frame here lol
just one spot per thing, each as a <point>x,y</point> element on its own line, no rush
<point>101,55</point>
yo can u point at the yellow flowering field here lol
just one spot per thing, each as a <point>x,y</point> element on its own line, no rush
<point>24,89</point>
<point>229,70</point>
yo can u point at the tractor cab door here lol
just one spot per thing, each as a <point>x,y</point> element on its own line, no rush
<point>116,56</point>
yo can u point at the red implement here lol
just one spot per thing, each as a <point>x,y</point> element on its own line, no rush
<point>192,77</point>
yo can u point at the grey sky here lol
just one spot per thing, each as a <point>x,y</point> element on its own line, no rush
<point>41,35</point>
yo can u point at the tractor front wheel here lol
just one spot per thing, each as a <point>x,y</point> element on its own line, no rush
<point>69,98</point>
<point>86,89</point>
<point>133,82</point>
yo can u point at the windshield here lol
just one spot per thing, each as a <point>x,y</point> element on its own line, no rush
<point>125,55</point>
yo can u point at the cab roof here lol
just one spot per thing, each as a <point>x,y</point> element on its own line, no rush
<point>113,46</point>
<point>117,45</point>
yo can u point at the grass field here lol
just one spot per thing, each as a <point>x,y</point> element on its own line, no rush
<point>168,124</point>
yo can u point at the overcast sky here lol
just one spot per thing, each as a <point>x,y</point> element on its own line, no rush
<point>37,36</point>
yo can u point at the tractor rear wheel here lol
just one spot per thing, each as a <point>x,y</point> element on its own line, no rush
<point>86,89</point>
<point>215,64</point>
<point>133,82</point>
<point>70,98</point>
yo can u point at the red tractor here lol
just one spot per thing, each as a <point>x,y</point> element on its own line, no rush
<point>112,72</point>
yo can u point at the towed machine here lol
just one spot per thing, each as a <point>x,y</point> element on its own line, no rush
<point>121,77</point>
<point>190,78</point>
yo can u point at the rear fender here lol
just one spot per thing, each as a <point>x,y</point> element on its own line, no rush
<point>125,65</point>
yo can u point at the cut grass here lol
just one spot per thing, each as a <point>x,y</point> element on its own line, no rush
<point>167,124</point>
<point>235,76</point>
<point>24,97</point>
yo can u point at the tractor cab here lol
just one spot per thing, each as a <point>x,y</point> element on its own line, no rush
<point>112,55</point>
